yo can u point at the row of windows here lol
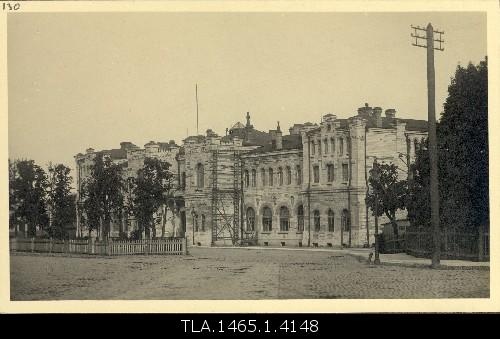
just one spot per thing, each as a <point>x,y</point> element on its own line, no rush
<point>330,172</point>
<point>284,177</point>
<point>250,178</point>
<point>328,146</point>
<point>284,219</point>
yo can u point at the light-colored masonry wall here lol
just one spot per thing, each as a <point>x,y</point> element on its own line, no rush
<point>349,150</point>
<point>199,197</point>
<point>284,193</point>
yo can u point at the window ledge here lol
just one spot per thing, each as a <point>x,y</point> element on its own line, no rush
<point>265,232</point>
<point>283,232</point>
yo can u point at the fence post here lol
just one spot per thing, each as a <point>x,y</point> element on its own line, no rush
<point>108,246</point>
<point>147,247</point>
<point>184,246</point>
<point>480,244</point>
<point>32,244</point>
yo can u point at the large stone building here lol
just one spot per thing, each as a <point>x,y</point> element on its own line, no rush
<point>306,188</point>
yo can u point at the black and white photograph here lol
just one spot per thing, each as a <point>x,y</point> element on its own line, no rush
<point>248,155</point>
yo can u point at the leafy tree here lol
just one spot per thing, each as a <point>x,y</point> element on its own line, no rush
<point>463,146</point>
<point>102,195</point>
<point>462,135</point>
<point>418,198</point>
<point>388,192</point>
<point>150,193</point>
<point>28,184</point>
<point>61,202</point>
<point>12,196</point>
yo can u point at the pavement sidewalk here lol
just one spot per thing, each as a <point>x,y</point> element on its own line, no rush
<point>397,259</point>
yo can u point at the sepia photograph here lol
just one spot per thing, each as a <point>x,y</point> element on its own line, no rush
<point>248,155</point>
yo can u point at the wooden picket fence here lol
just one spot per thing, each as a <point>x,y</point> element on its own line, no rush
<point>454,245</point>
<point>175,246</point>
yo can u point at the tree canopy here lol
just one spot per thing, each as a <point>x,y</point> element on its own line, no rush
<point>28,194</point>
<point>60,200</point>
<point>150,192</point>
<point>462,135</point>
<point>102,195</point>
<point>388,193</point>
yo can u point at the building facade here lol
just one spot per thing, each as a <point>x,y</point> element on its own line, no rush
<point>306,188</point>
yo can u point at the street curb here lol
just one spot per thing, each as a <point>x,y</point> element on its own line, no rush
<point>362,257</point>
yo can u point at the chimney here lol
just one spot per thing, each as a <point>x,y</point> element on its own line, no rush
<point>390,113</point>
<point>377,116</point>
<point>276,138</point>
<point>365,112</point>
<point>279,138</point>
<point>248,125</point>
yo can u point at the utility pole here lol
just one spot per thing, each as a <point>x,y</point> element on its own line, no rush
<point>431,108</point>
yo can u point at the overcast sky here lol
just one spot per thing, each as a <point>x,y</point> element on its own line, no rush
<point>84,80</point>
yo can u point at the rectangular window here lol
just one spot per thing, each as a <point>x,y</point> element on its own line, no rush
<point>332,140</point>
<point>326,146</point>
<point>345,172</point>
<point>331,172</point>
<point>341,146</point>
<point>319,146</point>
<point>316,174</point>
<point>263,176</point>
<point>313,148</point>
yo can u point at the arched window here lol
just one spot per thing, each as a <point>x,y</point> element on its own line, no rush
<point>247,179</point>
<point>299,175</point>
<point>250,219</point>
<point>284,219</point>
<point>346,223</point>
<point>271,174</point>
<point>280,176</point>
<point>317,221</point>
<point>254,178</point>
<point>331,221</point>
<point>267,219</point>
<point>195,222</point>
<point>326,145</point>
<point>203,222</point>
<point>288,175</point>
<point>263,176</point>
<point>200,176</point>
<point>300,218</point>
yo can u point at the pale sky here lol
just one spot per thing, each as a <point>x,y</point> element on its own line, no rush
<point>79,80</point>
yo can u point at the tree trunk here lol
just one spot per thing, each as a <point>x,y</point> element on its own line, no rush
<point>163,221</point>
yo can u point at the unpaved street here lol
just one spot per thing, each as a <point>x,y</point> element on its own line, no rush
<point>233,274</point>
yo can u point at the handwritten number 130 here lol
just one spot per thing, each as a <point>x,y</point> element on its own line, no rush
<point>11,7</point>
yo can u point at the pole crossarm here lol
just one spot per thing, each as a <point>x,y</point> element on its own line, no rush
<point>416,36</point>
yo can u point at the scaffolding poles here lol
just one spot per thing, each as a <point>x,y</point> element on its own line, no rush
<point>225,199</point>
